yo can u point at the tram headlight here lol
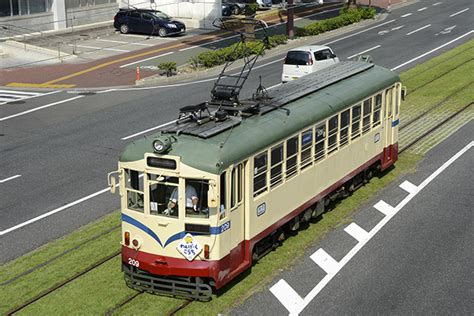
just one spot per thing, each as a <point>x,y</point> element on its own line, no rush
<point>162,144</point>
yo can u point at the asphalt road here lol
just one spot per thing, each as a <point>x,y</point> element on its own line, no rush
<point>56,149</point>
<point>418,263</point>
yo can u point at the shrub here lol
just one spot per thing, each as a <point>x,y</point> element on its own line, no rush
<point>233,52</point>
<point>169,68</point>
<point>346,16</point>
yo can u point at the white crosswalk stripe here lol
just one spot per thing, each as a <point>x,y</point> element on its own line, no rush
<point>7,96</point>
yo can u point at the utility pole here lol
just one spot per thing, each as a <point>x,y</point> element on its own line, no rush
<point>290,19</point>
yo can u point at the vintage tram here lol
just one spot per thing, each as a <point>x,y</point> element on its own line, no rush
<point>209,194</point>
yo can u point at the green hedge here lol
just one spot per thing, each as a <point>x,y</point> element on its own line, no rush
<point>346,16</point>
<point>221,55</point>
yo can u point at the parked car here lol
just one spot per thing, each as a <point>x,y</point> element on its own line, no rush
<point>305,60</point>
<point>147,22</point>
<point>226,9</point>
<point>264,4</point>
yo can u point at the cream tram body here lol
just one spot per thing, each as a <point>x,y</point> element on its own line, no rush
<point>254,180</point>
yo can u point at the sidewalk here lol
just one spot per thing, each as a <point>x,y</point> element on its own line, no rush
<point>113,71</point>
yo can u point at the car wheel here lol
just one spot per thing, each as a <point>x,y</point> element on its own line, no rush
<point>162,32</point>
<point>124,29</point>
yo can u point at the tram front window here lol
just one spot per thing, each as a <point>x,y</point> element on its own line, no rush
<point>196,198</point>
<point>163,191</point>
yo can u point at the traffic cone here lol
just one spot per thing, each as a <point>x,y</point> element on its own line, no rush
<point>138,73</point>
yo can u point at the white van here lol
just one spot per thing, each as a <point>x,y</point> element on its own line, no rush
<point>305,60</point>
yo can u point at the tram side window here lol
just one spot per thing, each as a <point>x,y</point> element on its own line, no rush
<point>134,188</point>
<point>306,145</point>
<point>397,99</point>
<point>355,127</point>
<point>319,149</point>
<point>196,198</point>
<point>276,165</point>
<point>344,130</point>
<point>163,195</point>
<point>291,156</point>
<point>377,109</point>
<point>260,174</point>
<point>240,183</point>
<point>367,111</point>
<point>222,196</point>
<point>332,134</point>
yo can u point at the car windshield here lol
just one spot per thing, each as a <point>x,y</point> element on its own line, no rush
<point>160,15</point>
<point>297,57</point>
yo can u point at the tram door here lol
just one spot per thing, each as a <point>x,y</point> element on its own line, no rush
<point>236,199</point>
<point>388,137</point>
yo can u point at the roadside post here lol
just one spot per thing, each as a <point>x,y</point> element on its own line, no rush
<point>138,73</point>
<point>290,19</point>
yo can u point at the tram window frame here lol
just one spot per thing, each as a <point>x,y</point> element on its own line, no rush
<point>344,127</point>
<point>233,188</point>
<point>240,183</point>
<point>397,98</point>
<point>333,129</point>
<point>320,152</point>
<point>366,115</point>
<point>355,121</point>
<point>260,173</point>
<point>222,195</point>
<point>202,189</point>
<point>388,102</point>
<point>277,155</point>
<point>377,110</point>
<point>152,196</point>
<point>134,188</point>
<point>291,157</point>
<point>306,156</point>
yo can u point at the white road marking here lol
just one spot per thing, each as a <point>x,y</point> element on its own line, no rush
<point>11,178</point>
<point>325,261</point>
<point>422,9</point>
<point>417,30</point>
<point>286,295</point>
<point>39,108</point>
<point>397,27</point>
<point>448,30</point>
<point>319,13</point>
<point>147,130</point>
<point>102,48</point>
<point>142,44</point>
<point>365,51</point>
<point>133,35</point>
<point>357,232</point>
<point>431,51</point>
<point>295,304</point>
<point>437,3</point>
<point>13,95</point>
<point>405,15</point>
<point>140,61</point>
<point>462,11</point>
<point>62,208</point>
<point>111,41</point>
<point>385,208</point>
<point>408,186</point>
<point>360,32</point>
<point>190,47</point>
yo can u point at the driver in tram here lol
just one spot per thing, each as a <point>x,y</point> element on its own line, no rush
<point>191,200</point>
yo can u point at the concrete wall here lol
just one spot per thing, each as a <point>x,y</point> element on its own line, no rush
<point>29,23</point>
<point>99,13</point>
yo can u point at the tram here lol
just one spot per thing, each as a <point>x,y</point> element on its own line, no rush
<point>206,196</point>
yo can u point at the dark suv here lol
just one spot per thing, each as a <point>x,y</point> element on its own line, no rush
<point>147,22</point>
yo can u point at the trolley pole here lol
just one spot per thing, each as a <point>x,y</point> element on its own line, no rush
<point>290,19</point>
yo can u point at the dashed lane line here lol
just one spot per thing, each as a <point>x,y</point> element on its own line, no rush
<point>459,12</point>
<point>417,30</point>
<point>10,178</point>
<point>365,51</point>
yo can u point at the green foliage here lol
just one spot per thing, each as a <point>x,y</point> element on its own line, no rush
<point>251,8</point>
<point>346,16</point>
<point>168,67</point>
<point>234,52</point>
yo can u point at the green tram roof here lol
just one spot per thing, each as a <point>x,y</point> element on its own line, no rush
<point>258,132</point>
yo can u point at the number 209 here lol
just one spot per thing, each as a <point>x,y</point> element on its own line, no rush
<point>133,262</point>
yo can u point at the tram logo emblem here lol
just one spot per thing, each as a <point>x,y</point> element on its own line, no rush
<point>189,247</point>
